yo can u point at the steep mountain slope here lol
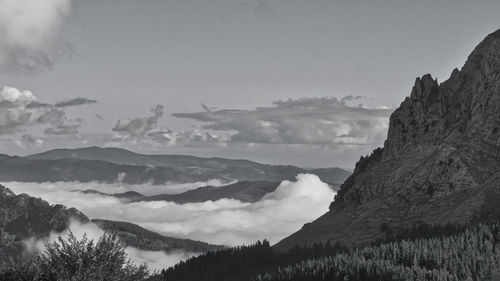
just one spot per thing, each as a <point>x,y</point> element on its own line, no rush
<point>439,164</point>
<point>23,217</point>
<point>196,167</point>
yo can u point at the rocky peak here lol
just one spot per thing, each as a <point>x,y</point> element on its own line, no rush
<point>465,105</point>
<point>485,59</point>
<point>440,162</point>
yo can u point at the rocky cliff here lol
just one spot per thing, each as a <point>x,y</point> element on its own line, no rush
<point>440,162</point>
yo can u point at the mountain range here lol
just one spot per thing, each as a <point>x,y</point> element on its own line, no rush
<point>247,191</point>
<point>114,164</point>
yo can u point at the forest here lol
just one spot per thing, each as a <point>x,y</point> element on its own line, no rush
<point>424,252</point>
<point>437,253</point>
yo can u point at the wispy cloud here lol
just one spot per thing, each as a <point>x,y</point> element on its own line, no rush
<point>75,102</point>
<point>30,34</point>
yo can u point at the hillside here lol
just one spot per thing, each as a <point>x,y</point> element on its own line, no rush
<point>440,253</point>
<point>440,162</point>
<point>141,238</point>
<point>23,217</point>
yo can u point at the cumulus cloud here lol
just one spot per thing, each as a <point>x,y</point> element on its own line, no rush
<point>15,115</point>
<point>145,131</point>
<point>20,110</point>
<point>224,221</point>
<point>16,96</point>
<point>139,126</point>
<point>315,121</point>
<point>28,140</point>
<point>30,34</point>
<point>156,260</point>
<point>75,102</point>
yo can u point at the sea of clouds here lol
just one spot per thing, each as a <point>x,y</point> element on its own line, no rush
<point>226,221</point>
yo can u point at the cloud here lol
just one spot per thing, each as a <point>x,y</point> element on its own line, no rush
<point>319,122</point>
<point>63,129</point>
<point>310,121</point>
<point>30,34</point>
<point>75,102</point>
<point>224,221</point>
<point>156,260</point>
<point>16,96</point>
<point>15,115</point>
<point>20,110</point>
<point>28,140</point>
<point>139,126</point>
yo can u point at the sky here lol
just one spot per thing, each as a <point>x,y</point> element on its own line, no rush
<point>309,83</point>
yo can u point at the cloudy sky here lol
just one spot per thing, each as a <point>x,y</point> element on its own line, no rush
<point>309,83</point>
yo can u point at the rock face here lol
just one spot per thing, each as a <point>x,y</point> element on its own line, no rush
<point>439,164</point>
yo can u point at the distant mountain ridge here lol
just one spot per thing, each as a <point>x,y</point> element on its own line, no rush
<point>109,165</point>
<point>14,168</point>
<point>440,163</point>
<point>243,191</point>
<point>23,217</point>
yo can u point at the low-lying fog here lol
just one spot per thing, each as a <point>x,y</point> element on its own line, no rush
<point>225,221</point>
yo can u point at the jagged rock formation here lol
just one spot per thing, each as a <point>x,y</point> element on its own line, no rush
<point>439,164</point>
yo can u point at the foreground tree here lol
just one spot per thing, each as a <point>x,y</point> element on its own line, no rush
<point>79,260</point>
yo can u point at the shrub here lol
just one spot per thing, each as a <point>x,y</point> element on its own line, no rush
<point>79,260</point>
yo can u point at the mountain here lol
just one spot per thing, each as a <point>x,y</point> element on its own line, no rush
<point>184,168</point>
<point>14,168</point>
<point>124,196</point>
<point>244,191</point>
<point>141,238</point>
<point>23,217</point>
<point>440,163</point>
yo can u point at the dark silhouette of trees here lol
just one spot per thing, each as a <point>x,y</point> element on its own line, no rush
<point>422,252</point>
<point>243,262</point>
<point>468,255</point>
